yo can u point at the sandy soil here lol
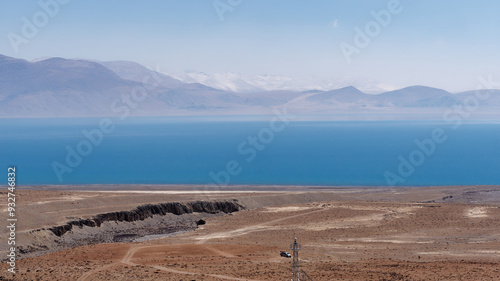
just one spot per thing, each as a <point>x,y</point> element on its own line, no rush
<point>445,233</point>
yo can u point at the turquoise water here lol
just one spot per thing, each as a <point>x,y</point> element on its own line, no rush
<point>183,151</point>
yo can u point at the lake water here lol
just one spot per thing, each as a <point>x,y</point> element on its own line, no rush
<point>190,151</point>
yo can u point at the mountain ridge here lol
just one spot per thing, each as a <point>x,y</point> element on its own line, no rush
<point>58,87</point>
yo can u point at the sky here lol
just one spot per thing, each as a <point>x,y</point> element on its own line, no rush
<point>445,44</point>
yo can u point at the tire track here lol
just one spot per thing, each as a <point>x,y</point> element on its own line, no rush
<point>126,260</point>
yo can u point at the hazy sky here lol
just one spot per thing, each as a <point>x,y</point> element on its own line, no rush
<point>446,44</point>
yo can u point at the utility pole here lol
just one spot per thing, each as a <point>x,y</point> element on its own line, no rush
<point>295,267</point>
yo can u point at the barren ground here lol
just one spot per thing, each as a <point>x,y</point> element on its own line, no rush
<point>428,233</point>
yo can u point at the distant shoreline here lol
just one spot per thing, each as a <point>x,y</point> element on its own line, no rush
<point>489,118</point>
<point>193,188</point>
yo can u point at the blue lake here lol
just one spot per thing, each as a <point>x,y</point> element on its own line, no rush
<point>193,151</point>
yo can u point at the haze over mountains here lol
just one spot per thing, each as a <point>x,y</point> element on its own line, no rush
<point>59,87</point>
<point>241,83</point>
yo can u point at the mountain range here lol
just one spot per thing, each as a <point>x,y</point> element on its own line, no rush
<point>57,87</point>
<point>241,83</point>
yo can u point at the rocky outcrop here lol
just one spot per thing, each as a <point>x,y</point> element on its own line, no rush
<point>147,211</point>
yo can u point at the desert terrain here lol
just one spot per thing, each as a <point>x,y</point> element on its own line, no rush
<point>346,233</point>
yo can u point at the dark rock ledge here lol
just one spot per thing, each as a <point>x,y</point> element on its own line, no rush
<point>149,210</point>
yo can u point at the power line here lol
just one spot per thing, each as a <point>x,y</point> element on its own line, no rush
<point>296,271</point>
<point>295,267</point>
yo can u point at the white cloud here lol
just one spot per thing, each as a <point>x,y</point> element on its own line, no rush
<point>334,24</point>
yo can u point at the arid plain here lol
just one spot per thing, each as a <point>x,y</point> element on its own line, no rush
<point>346,233</point>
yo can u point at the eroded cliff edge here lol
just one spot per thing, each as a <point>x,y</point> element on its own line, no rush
<point>148,211</point>
<point>125,226</point>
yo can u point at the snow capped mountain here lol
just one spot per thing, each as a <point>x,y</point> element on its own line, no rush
<point>58,87</point>
<point>241,83</point>
<point>233,82</point>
